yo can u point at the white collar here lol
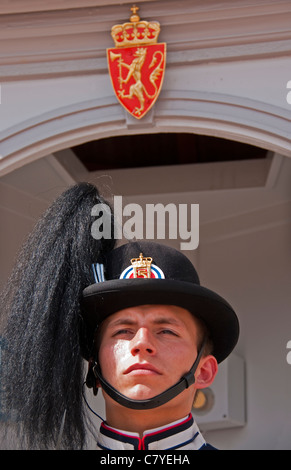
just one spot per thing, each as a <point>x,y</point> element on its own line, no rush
<point>183,434</point>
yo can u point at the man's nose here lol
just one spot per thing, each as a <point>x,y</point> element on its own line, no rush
<point>142,342</point>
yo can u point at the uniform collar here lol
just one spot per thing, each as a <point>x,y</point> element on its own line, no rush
<point>182,434</point>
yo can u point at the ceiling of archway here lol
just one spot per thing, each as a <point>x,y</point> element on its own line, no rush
<point>137,151</point>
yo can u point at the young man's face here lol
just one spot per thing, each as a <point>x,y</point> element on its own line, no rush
<point>146,349</point>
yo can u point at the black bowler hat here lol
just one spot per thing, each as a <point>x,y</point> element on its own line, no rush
<point>143,273</point>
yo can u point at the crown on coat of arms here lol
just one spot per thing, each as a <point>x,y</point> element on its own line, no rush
<point>136,32</point>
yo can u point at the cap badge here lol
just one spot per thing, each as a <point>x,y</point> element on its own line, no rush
<point>142,267</point>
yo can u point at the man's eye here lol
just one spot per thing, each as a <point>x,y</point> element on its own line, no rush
<point>122,331</point>
<point>168,332</point>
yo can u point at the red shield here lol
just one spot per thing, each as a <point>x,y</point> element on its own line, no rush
<point>137,75</point>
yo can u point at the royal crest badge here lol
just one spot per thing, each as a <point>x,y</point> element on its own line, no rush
<point>143,268</point>
<point>137,64</point>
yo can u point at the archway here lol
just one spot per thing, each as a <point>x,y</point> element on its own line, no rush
<point>218,115</point>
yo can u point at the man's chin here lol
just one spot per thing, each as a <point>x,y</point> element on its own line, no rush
<point>141,392</point>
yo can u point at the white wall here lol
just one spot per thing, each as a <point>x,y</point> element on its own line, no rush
<point>254,272</point>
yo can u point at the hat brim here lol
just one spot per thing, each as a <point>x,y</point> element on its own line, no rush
<point>105,298</point>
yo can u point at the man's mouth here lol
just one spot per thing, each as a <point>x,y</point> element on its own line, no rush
<point>142,369</point>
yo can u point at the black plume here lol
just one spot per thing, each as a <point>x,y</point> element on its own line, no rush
<point>43,365</point>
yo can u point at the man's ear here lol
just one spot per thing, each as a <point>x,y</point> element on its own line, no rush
<point>206,372</point>
<point>91,380</point>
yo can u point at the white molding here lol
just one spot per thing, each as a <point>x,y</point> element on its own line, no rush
<point>176,181</point>
<point>74,40</point>
<point>219,115</point>
<point>28,6</point>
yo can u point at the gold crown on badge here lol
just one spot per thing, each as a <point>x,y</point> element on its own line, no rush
<point>141,266</point>
<point>136,32</point>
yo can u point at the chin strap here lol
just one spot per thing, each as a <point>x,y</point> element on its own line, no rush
<point>185,382</point>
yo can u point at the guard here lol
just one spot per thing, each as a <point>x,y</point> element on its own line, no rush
<point>150,336</point>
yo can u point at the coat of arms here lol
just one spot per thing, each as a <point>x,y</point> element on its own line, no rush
<point>137,64</point>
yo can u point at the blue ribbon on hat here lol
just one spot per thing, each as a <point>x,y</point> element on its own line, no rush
<point>98,271</point>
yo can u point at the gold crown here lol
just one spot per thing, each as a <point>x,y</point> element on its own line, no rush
<point>136,32</point>
<point>141,266</point>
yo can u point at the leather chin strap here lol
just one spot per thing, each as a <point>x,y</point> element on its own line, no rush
<point>185,382</point>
